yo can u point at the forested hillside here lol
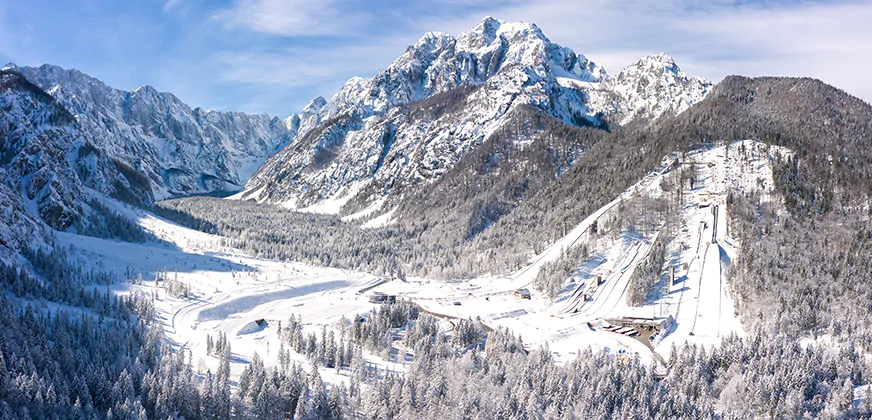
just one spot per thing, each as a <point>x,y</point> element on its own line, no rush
<point>70,353</point>
<point>506,201</point>
<point>808,268</point>
<point>490,228</point>
<point>819,122</point>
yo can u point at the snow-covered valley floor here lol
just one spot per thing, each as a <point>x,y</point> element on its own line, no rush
<point>230,290</point>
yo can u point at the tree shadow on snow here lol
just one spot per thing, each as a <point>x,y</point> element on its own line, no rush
<point>130,260</point>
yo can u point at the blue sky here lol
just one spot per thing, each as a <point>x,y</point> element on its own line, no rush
<point>275,55</point>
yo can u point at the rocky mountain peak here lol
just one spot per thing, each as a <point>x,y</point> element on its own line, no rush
<point>652,66</point>
<point>442,98</point>
<point>292,123</point>
<point>490,30</point>
<point>649,88</point>
<point>485,31</point>
<point>315,105</point>
<point>438,62</point>
<point>432,42</point>
<point>179,150</point>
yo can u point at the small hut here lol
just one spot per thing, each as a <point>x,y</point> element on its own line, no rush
<point>522,294</point>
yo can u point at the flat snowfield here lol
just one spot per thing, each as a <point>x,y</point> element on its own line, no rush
<point>230,291</point>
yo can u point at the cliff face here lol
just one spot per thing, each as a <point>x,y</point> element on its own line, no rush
<point>178,149</point>
<point>441,99</point>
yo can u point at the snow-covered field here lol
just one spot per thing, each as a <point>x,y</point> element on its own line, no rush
<point>231,290</point>
<point>699,301</point>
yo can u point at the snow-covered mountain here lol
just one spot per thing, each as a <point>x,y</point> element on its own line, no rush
<point>62,148</point>
<point>519,53</point>
<point>49,162</point>
<point>442,98</point>
<point>649,88</point>
<point>18,229</point>
<point>179,149</point>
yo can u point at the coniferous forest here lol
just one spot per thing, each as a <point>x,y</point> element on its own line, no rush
<point>490,227</point>
<point>83,353</point>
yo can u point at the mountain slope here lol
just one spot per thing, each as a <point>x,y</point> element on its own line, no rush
<point>444,97</point>
<point>180,150</point>
<point>49,162</point>
<point>829,130</point>
<point>18,229</point>
<point>650,88</point>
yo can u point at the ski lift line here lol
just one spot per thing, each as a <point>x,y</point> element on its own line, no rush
<point>699,291</point>
<point>721,288</point>
<point>612,281</point>
<point>573,299</point>
<point>627,285</point>
<point>634,262</point>
<point>580,234</point>
<point>701,273</point>
<point>695,257</point>
<point>720,292</point>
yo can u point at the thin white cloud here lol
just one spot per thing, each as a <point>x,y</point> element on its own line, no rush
<point>295,67</point>
<point>276,79</point>
<point>711,39</point>
<point>170,5</point>
<point>291,17</point>
<point>829,42</point>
